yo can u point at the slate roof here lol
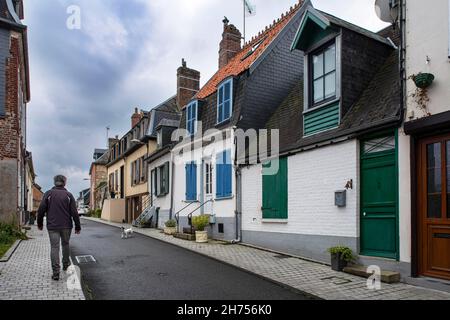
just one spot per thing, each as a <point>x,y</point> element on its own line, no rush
<point>4,13</point>
<point>379,106</point>
<point>168,123</point>
<point>170,105</point>
<point>104,159</point>
<point>240,62</point>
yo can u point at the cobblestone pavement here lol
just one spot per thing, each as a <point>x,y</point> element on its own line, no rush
<point>27,275</point>
<point>313,278</point>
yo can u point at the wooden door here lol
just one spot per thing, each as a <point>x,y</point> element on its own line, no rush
<point>434,206</point>
<point>379,191</point>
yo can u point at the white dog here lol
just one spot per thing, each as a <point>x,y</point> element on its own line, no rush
<point>127,233</point>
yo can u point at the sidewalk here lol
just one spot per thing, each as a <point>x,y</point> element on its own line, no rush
<point>309,277</point>
<point>27,275</point>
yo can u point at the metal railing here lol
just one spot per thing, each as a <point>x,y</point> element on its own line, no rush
<point>191,214</point>
<point>177,215</point>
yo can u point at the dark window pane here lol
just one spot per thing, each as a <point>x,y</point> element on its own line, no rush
<point>227,91</point>
<point>434,180</point>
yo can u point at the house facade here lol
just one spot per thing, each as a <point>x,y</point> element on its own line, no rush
<point>251,81</point>
<point>336,173</point>
<point>14,96</point>
<point>425,141</point>
<point>99,179</point>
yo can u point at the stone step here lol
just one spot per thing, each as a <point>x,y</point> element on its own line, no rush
<point>361,271</point>
<point>189,231</point>
<point>185,236</point>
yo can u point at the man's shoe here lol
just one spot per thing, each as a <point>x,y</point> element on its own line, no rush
<point>55,277</point>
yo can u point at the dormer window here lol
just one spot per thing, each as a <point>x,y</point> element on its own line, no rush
<point>191,118</point>
<point>159,138</point>
<point>225,101</point>
<point>323,74</point>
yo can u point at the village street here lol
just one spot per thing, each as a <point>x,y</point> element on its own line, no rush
<point>142,268</point>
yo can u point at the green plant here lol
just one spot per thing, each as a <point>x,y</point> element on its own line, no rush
<point>345,253</point>
<point>98,213</point>
<point>200,222</point>
<point>171,224</point>
<point>9,233</point>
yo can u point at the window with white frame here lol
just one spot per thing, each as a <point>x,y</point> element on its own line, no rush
<point>323,74</point>
<point>208,178</point>
<point>191,118</point>
<point>225,101</point>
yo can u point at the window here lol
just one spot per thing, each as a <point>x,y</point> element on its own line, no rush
<point>208,177</point>
<point>323,74</point>
<point>154,177</point>
<point>225,101</point>
<point>223,175</point>
<point>116,179</point>
<point>163,175</point>
<point>191,181</point>
<point>191,117</point>
<point>159,138</point>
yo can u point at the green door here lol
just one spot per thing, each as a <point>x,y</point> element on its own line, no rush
<point>379,193</point>
<point>275,190</point>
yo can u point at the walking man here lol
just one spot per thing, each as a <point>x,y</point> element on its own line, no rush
<point>60,208</point>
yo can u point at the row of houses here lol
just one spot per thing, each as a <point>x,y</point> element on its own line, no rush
<point>313,134</point>
<point>19,194</point>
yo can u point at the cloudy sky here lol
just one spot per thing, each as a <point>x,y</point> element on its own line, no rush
<point>124,56</point>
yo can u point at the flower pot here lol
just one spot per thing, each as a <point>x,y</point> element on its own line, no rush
<point>201,236</point>
<point>170,231</point>
<point>423,80</point>
<point>337,263</point>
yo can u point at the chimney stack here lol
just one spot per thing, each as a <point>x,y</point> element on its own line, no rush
<point>136,117</point>
<point>188,84</point>
<point>230,44</point>
<point>112,142</point>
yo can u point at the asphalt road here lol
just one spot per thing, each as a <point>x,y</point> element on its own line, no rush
<point>142,268</point>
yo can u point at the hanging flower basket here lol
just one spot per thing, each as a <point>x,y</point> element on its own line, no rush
<point>423,80</point>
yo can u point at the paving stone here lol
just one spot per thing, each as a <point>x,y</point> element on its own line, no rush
<point>27,275</point>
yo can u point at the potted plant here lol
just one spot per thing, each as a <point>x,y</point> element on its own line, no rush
<point>340,257</point>
<point>423,80</point>
<point>200,223</point>
<point>171,227</point>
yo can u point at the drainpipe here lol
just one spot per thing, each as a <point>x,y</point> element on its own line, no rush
<point>171,185</point>
<point>238,188</point>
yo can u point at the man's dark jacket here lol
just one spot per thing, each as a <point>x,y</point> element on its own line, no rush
<point>60,207</point>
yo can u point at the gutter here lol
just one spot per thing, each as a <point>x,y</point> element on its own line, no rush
<point>238,192</point>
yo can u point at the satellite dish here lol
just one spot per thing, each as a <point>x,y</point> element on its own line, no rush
<point>387,10</point>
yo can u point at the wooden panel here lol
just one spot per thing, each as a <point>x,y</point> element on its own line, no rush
<point>321,119</point>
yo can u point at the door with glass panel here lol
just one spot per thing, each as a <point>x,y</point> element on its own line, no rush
<point>379,193</point>
<point>434,206</point>
<point>208,183</point>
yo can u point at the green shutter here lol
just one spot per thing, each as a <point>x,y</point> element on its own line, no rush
<point>322,119</point>
<point>275,192</point>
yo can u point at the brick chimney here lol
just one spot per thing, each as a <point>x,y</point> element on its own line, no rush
<point>230,44</point>
<point>136,117</point>
<point>188,84</point>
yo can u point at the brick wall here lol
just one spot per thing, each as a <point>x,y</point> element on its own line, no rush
<point>188,84</point>
<point>230,44</point>
<point>10,122</point>
<point>313,178</point>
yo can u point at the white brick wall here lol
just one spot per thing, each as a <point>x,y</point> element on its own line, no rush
<point>313,178</point>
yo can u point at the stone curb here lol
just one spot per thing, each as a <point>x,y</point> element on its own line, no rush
<point>10,252</point>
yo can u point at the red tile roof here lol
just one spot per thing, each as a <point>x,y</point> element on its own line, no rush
<point>239,64</point>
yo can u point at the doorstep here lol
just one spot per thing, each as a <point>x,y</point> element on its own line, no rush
<point>361,271</point>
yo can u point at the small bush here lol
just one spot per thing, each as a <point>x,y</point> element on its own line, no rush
<point>345,252</point>
<point>171,224</point>
<point>200,222</point>
<point>10,233</point>
<point>98,213</point>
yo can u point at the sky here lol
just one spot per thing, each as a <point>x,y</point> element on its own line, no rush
<point>125,55</point>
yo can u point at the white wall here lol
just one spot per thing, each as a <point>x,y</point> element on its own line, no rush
<point>427,34</point>
<point>162,202</point>
<point>313,178</point>
<point>221,208</point>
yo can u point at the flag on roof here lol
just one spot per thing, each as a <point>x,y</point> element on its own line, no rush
<point>250,9</point>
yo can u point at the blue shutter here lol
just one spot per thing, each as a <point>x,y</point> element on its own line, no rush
<point>227,174</point>
<point>219,176</point>
<point>191,182</point>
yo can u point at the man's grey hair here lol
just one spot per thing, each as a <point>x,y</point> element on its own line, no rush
<point>60,181</point>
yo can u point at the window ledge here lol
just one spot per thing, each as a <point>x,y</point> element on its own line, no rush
<point>219,124</point>
<point>323,105</point>
<point>224,198</point>
<point>275,221</point>
<point>191,201</point>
